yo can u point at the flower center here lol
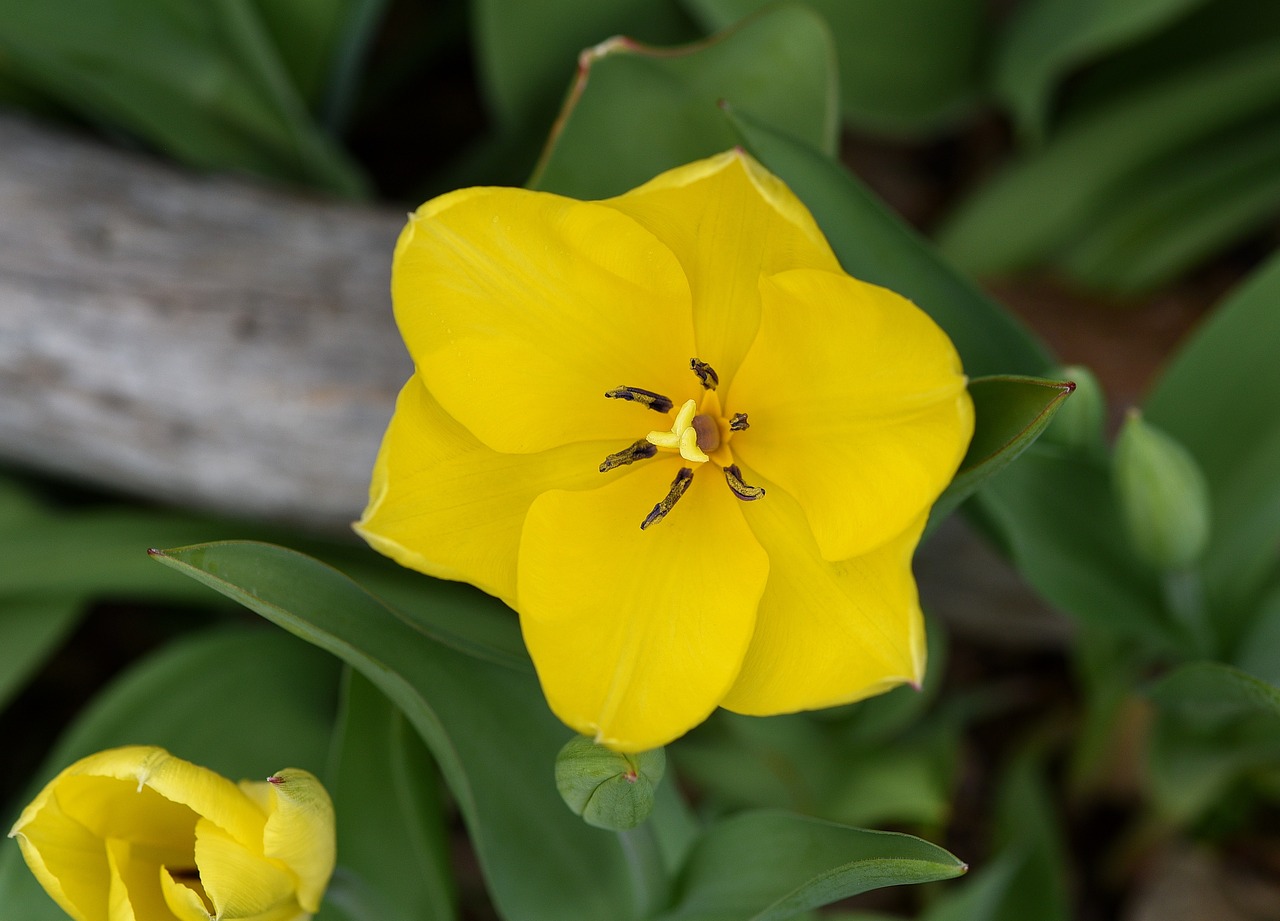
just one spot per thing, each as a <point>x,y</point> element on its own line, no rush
<point>700,433</point>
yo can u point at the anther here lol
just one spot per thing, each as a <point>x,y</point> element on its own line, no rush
<point>738,423</point>
<point>706,374</point>
<point>646,398</point>
<point>678,488</point>
<point>745,492</point>
<point>629,455</point>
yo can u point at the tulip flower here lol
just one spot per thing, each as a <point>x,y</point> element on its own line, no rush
<point>135,834</point>
<point>667,429</point>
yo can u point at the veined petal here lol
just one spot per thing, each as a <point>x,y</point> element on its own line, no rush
<point>239,882</point>
<point>827,633</point>
<point>858,407</point>
<point>637,635</point>
<point>65,857</point>
<point>119,906</point>
<point>728,220</point>
<point>521,309</point>
<point>443,503</point>
<point>300,832</point>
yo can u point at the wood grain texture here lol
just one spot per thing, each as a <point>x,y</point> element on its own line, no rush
<point>204,341</point>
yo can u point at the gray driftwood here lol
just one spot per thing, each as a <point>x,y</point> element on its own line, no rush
<point>214,343</point>
<point>200,340</point>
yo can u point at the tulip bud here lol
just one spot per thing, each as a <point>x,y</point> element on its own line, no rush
<point>1079,422</point>
<point>135,832</point>
<point>608,789</point>
<point>1163,497</point>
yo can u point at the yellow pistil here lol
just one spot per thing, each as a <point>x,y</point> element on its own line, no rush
<point>683,436</point>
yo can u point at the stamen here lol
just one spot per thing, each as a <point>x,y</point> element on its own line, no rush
<point>629,455</point>
<point>733,476</point>
<point>738,423</point>
<point>708,433</point>
<point>646,398</point>
<point>678,488</point>
<point>706,374</point>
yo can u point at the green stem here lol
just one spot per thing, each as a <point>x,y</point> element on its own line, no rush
<point>649,880</point>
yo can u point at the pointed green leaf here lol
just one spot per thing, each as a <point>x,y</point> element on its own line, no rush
<point>766,866</point>
<point>393,845</point>
<point>906,66</point>
<point>1217,689</point>
<point>637,111</point>
<point>486,724</point>
<point>1218,396</point>
<point>1045,39</point>
<point>1047,200</point>
<point>1010,414</point>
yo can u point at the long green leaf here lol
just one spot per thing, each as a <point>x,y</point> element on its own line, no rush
<point>1211,687</point>
<point>1044,201</point>
<point>1045,39</point>
<point>487,726</point>
<point>30,630</point>
<point>907,67</point>
<point>636,111</point>
<point>1218,397</point>
<point>876,246</point>
<point>393,848</point>
<point>766,866</point>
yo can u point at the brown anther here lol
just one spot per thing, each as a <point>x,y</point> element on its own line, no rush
<point>708,432</point>
<point>738,423</point>
<point>679,486</point>
<point>706,374</point>
<point>744,491</point>
<point>629,455</point>
<point>646,398</point>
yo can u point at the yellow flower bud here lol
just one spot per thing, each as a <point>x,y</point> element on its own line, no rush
<point>608,789</point>
<point>135,833</point>
<point>1163,497</point>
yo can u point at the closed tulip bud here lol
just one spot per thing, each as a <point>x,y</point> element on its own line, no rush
<point>1164,499</point>
<point>608,789</point>
<point>135,833</point>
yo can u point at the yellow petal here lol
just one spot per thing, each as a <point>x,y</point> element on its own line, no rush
<point>182,899</point>
<point>443,503</point>
<point>636,635</point>
<point>827,633</point>
<point>240,882</point>
<point>521,309</point>
<point>66,858</point>
<point>728,220</point>
<point>136,878</point>
<point>119,907</point>
<point>300,832</point>
<point>857,404</point>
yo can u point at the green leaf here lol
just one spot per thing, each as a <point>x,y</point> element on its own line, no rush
<point>486,724</point>
<point>876,246</point>
<point>1180,211</point>
<point>1010,414</point>
<point>907,67</point>
<point>527,52</point>
<point>393,846</point>
<point>766,866</point>
<point>635,111</point>
<point>1211,688</point>
<point>30,630</point>
<point>201,83</point>
<point>1045,39</point>
<point>1218,397</point>
<point>244,703</point>
<point>1057,518</point>
<point>1047,200</point>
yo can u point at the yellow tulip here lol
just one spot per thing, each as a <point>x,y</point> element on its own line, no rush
<point>135,834</point>
<point>669,431</point>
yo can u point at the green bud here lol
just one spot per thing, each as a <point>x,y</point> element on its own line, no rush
<point>1164,499</point>
<point>608,789</point>
<point>1080,421</point>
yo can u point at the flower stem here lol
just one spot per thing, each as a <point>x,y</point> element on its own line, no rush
<point>649,880</point>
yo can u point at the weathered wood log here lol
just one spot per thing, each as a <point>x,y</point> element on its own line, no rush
<point>200,340</point>
<point>214,343</point>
